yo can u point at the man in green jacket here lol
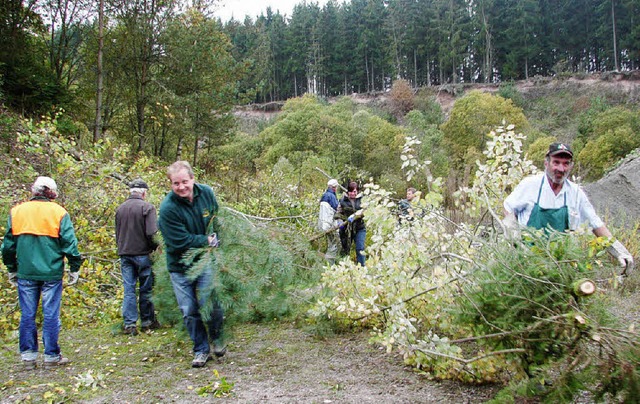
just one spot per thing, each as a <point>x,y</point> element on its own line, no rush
<point>185,215</point>
<point>39,237</point>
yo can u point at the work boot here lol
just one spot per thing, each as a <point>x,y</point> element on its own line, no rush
<point>29,365</point>
<point>130,330</point>
<point>219,349</point>
<point>154,325</point>
<point>200,359</point>
<point>62,361</point>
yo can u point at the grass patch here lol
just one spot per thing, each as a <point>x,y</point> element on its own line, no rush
<point>149,367</point>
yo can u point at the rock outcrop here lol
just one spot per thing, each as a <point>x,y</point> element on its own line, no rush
<point>616,196</point>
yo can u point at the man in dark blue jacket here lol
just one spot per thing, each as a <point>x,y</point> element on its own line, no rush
<point>185,215</point>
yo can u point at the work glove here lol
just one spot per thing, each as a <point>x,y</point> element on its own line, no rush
<point>213,240</point>
<point>13,279</point>
<point>351,218</point>
<point>511,227</point>
<point>73,278</point>
<point>623,256</point>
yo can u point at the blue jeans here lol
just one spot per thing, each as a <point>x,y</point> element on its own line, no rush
<point>29,293</point>
<point>191,296</point>
<point>346,236</point>
<point>137,268</point>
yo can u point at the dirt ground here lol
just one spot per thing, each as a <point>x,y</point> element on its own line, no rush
<point>267,363</point>
<point>295,367</point>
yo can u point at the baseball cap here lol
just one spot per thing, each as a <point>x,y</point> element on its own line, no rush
<point>559,148</point>
<point>332,183</point>
<point>138,183</point>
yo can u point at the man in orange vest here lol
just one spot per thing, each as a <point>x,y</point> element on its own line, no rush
<point>39,237</point>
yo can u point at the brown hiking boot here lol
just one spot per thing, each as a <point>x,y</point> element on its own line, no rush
<point>29,365</point>
<point>130,330</point>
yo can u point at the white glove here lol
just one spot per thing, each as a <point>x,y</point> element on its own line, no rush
<point>623,256</point>
<point>213,240</point>
<point>511,227</point>
<point>13,279</point>
<point>73,278</point>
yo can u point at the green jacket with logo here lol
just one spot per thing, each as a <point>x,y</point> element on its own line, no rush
<point>184,225</point>
<point>39,237</point>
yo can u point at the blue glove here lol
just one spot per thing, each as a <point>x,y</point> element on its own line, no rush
<point>350,219</point>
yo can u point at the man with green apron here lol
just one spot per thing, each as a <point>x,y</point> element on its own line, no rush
<point>551,200</point>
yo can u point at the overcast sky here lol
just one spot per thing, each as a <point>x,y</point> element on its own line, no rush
<point>253,8</point>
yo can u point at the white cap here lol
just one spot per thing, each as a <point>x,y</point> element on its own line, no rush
<point>332,183</point>
<point>42,183</point>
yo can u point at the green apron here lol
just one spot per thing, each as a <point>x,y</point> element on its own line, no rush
<point>557,218</point>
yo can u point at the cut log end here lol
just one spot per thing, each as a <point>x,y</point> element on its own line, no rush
<point>584,287</point>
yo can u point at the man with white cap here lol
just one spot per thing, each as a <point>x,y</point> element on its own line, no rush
<point>326,221</point>
<point>551,200</point>
<point>39,237</point>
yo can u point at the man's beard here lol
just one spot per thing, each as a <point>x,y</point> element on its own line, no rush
<point>550,174</point>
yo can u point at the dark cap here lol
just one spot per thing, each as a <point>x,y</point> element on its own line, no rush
<point>138,183</point>
<point>559,148</point>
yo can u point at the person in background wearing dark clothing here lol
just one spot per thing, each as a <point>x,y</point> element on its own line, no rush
<point>406,210</point>
<point>185,215</point>
<point>136,224</point>
<point>326,221</point>
<point>350,210</point>
<point>39,237</point>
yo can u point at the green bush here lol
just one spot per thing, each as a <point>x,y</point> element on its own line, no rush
<point>428,104</point>
<point>472,118</point>
<point>538,150</point>
<point>510,92</point>
<point>613,118</point>
<point>605,151</point>
<point>597,105</point>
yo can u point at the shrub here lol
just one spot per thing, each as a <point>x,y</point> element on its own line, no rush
<point>604,152</point>
<point>510,92</point>
<point>538,150</point>
<point>472,118</point>
<point>428,104</point>
<point>401,98</point>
